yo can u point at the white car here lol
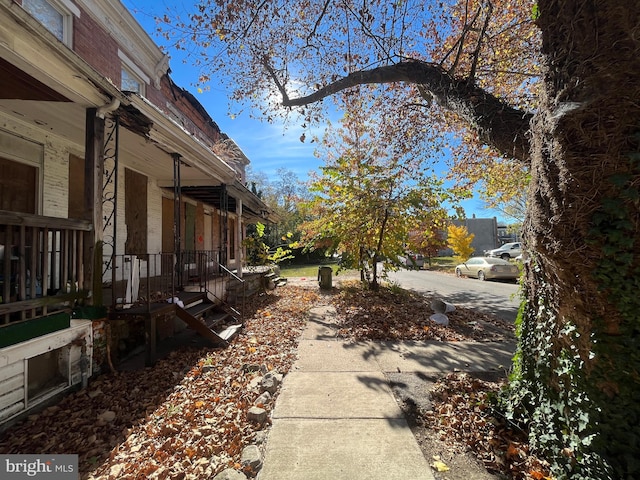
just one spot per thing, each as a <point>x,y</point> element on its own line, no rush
<point>506,251</point>
<point>412,260</point>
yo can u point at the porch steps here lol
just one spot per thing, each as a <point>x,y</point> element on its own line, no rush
<point>200,327</point>
<point>199,315</point>
<point>273,278</point>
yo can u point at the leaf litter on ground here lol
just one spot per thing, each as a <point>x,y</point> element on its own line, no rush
<point>186,417</point>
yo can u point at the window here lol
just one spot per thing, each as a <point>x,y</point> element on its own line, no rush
<point>133,79</point>
<point>130,82</point>
<point>55,15</point>
<point>18,186</point>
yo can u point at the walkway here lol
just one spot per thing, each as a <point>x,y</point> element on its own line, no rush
<point>336,418</point>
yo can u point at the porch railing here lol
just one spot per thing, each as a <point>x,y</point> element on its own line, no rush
<point>146,279</point>
<point>41,265</point>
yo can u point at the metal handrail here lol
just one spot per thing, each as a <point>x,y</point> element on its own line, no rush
<point>244,287</point>
<point>149,278</point>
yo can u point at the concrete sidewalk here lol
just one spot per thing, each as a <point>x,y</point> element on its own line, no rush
<point>336,418</point>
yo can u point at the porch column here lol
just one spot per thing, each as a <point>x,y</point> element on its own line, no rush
<point>239,237</point>
<point>93,179</point>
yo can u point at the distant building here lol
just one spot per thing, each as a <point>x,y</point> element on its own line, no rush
<point>485,231</point>
<point>505,236</point>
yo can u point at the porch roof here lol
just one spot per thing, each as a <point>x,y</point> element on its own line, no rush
<point>253,209</point>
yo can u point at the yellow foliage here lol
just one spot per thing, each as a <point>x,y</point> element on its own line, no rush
<point>459,240</point>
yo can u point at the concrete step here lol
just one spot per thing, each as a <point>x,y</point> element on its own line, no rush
<point>230,332</point>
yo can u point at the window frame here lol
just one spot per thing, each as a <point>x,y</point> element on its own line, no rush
<point>67,11</point>
<point>133,71</point>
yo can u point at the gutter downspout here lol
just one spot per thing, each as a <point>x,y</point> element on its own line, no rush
<point>107,108</point>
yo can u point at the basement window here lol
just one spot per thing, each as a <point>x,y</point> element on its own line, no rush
<point>55,15</point>
<point>45,373</point>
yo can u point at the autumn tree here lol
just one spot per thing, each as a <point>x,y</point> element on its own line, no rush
<point>459,240</point>
<point>428,239</point>
<point>552,86</point>
<point>283,194</point>
<point>371,193</point>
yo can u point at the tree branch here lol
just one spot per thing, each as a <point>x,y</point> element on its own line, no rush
<point>318,20</point>
<point>497,124</point>
<point>476,54</point>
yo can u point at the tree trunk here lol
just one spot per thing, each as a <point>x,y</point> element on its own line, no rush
<point>578,368</point>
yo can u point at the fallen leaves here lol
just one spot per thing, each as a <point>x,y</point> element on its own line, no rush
<point>401,315</point>
<point>463,419</point>
<point>184,418</point>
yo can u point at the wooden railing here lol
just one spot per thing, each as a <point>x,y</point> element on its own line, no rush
<point>41,265</point>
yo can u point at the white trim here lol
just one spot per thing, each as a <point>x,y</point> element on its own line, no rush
<point>67,11</point>
<point>121,24</point>
<point>67,5</point>
<point>130,65</point>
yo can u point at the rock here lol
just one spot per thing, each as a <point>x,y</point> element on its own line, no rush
<point>269,384</point>
<point>263,399</point>
<point>251,459</point>
<point>107,416</point>
<point>257,415</point>
<point>254,384</point>
<point>261,437</point>
<point>271,381</point>
<point>230,474</point>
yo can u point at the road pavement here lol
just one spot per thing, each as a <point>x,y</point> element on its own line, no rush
<point>494,297</point>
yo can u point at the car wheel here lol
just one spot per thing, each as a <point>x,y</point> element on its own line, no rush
<point>458,272</point>
<point>505,256</point>
<point>481,276</point>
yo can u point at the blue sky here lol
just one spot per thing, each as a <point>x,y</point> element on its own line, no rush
<point>268,146</point>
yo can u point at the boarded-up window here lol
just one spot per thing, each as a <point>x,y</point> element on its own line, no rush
<point>18,186</point>
<point>190,227</point>
<point>232,238</point>
<point>168,232</point>
<point>76,187</point>
<point>135,212</point>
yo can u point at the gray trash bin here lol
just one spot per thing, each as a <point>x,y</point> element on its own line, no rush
<point>324,278</point>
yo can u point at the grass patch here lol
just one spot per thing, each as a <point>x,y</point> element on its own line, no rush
<point>441,264</point>
<point>305,270</point>
<point>309,271</point>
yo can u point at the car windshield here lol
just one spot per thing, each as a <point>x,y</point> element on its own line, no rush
<point>496,261</point>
